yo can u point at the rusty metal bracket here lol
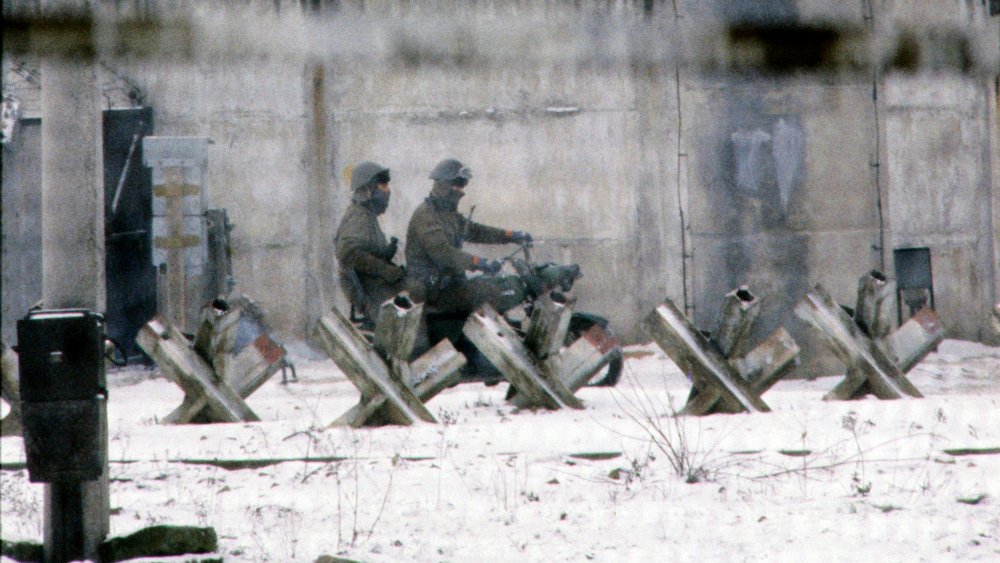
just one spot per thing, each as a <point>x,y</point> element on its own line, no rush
<point>176,190</point>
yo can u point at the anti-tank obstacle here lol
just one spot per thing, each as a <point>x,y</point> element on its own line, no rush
<point>393,386</point>
<point>230,357</point>
<point>541,371</point>
<point>877,357</point>
<point>723,380</point>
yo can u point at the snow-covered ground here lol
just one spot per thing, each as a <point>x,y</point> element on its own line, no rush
<point>810,481</point>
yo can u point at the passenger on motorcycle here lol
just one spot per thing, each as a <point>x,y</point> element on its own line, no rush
<point>435,262</point>
<point>367,273</point>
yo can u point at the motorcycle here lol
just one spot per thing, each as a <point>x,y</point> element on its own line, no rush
<point>519,293</point>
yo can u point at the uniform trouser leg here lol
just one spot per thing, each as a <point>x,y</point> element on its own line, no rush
<point>466,296</point>
<point>379,295</point>
<point>457,302</point>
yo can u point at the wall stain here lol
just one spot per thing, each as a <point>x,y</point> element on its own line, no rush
<point>756,181</point>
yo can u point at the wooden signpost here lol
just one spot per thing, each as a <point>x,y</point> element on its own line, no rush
<point>393,386</point>
<point>877,358</point>
<point>179,228</point>
<point>723,380</point>
<point>543,372</point>
<point>230,358</point>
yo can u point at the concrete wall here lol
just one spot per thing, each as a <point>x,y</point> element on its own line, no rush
<point>252,110</point>
<point>618,134</point>
<point>994,122</point>
<point>782,195</point>
<point>22,225</point>
<point>570,177</point>
<point>940,182</point>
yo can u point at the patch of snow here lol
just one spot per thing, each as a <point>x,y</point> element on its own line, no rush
<point>958,350</point>
<point>850,480</point>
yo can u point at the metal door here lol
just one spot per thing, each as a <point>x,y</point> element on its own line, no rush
<point>131,278</point>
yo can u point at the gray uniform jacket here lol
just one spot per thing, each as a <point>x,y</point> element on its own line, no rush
<point>362,250</point>
<point>434,255</point>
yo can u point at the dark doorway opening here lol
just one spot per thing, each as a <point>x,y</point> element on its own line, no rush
<point>914,282</point>
<point>128,189</point>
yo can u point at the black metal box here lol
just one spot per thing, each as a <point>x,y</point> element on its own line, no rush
<point>913,268</point>
<point>63,393</point>
<point>63,440</point>
<point>61,354</point>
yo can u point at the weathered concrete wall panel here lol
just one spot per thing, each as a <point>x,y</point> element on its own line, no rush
<point>661,191</point>
<point>787,155</point>
<point>842,194</point>
<point>565,174</point>
<point>22,226</point>
<point>275,276</point>
<point>558,177</point>
<point>940,181</point>
<point>256,172</point>
<point>958,285</point>
<point>453,89</point>
<point>943,127</point>
<point>253,111</point>
<point>785,196</point>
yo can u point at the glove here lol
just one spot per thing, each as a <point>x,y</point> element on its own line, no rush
<point>394,273</point>
<point>486,265</point>
<point>519,237</point>
<point>391,249</point>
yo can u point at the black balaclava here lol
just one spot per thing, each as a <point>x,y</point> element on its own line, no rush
<point>379,201</point>
<point>445,197</point>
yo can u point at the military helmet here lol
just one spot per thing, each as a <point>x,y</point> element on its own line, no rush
<point>450,170</point>
<point>367,171</point>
